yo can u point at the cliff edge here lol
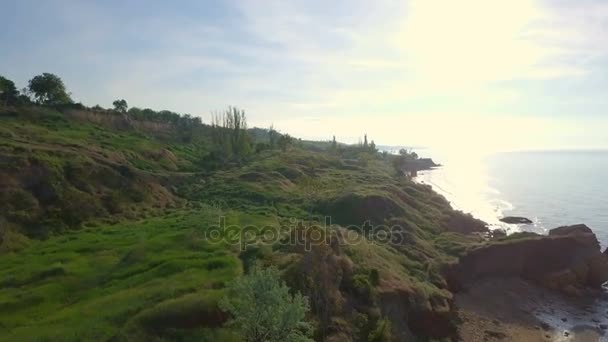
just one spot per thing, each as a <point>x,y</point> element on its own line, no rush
<point>569,259</point>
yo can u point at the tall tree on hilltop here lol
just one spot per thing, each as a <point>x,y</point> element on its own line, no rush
<point>49,89</point>
<point>230,134</point>
<point>8,92</point>
<point>120,106</point>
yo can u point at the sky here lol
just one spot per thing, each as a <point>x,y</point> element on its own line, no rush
<point>461,74</point>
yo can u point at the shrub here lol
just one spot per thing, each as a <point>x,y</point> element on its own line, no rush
<point>382,332</point>
<point>263,309</point>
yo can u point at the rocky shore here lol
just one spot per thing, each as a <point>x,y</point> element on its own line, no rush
<point>533,288</point>
<point>512,309</point>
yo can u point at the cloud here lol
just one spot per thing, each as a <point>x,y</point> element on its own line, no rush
<point>348,64</point>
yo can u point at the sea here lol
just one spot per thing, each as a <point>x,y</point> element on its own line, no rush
<point>551,188</point>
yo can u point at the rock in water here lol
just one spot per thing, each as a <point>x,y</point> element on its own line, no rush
<point>515,220</point>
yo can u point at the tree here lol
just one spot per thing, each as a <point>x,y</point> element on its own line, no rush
<point>365,141</point>
<point>372,146</point>
<point>8,92</point>
<point>263,310</point>
<point>120,106</point>
<point>229,134</point>
<point>25,96</point>
<point>272,136</point>
<point>49,89</point>
<point>334,144</point>
<point>285,141</point>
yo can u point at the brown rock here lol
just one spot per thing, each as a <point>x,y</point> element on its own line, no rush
<point>577,229</point>
<point>571,290</point>
<point>569,259</point>
<point>598,270</point>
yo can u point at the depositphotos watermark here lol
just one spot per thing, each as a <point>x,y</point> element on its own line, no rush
<point>302,233</point>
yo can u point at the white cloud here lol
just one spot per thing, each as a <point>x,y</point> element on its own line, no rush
<point>344,66</point>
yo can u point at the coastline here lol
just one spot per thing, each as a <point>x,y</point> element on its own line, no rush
<point>516,310</point>
<point>490,213</point>
<point>506,308</point>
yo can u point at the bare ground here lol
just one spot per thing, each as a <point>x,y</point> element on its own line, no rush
<point>515,310</point>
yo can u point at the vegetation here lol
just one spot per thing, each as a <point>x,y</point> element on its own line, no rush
<point>106,221</point>
<point>120,106</point>
<point>8,92</point>
<point>229,135</point>
<point>263,310</point>
<point>49,89</point>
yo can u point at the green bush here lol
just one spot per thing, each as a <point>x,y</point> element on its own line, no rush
<point>264,310</point>
<point>382,331</point>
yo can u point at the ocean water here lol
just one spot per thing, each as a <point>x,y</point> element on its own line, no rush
<point>552,188</point>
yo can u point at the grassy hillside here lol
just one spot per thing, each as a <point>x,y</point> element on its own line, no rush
<point>105,233</point>
<point>57,173</point>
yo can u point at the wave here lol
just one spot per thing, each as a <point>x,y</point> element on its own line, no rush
<point>471,194</point>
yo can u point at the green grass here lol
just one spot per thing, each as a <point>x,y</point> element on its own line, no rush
<point>117,221</point>
<point>40,130</point>
<point>114,280</point>
<point>76,171</point>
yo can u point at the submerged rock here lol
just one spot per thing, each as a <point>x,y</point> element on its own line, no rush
<point>516,220</point>
<point>569,260</point>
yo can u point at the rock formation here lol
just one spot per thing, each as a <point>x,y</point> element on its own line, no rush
<point>569,259</point>
<point>516,220</point>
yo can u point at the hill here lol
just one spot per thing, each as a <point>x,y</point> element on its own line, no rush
<point>107,228</point>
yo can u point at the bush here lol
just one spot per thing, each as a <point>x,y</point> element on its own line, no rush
<point>264,310</point>
<point>363,286</point>
<point>382,332</point>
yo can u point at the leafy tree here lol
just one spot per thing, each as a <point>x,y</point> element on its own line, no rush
<point>49,89</point>
<point>334,144</point>
<point>120,106</point>
<point>263,310</point>
<point>8,92</point>
<point>409,154</point>
<point>402,158</point>
<point>365,141</point>
<point>229,134</point>
<point>285,141</point>
<point>25,96</point>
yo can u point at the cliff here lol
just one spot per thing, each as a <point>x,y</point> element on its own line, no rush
<point>107,209</point>
<point>569,259</point>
